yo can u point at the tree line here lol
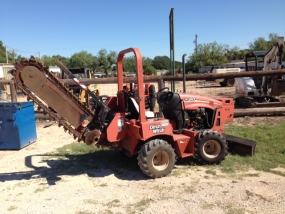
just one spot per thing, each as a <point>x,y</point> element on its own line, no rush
<point>209,54</point>
<point>212,54</point>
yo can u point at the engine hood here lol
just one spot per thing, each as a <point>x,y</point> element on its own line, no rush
<point>199,101</point>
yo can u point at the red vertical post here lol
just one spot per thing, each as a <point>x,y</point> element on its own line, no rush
<point>140,81</point>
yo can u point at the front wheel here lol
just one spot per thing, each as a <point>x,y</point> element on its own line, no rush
<point>156,158</point>
<point>210,147</point>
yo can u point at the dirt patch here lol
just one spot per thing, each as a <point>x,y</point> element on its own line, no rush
<point>33,182</point>
<point>253,121</point>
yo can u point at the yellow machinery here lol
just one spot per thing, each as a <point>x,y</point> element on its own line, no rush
<point>82,73</point>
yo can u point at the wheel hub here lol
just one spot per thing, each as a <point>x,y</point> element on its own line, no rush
<point>160,160</point>
<point>212,149</point>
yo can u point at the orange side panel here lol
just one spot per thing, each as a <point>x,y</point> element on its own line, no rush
<point>181,145</point>
<point>227,110</point>
<point>185,143</point>
<point>130,143</point>
<point>117,129</point>
<point>151,128</point>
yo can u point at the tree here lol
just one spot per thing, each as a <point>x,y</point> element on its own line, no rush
<point>149,70</point>
<point>235,54</point>
<point>147,62</point>
<point>161,62</point>
<point>129,64</point>
<point>261,44</point>
<point>273,37</point>
<point>105,60</point>
<point>178,65</point>
<point>208,54</point>
<point>50,61</point>
<point>2,53</point>
<point>12,55</point>
<point>82,59</point>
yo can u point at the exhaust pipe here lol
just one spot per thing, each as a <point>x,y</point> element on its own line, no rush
<point>184,77</point>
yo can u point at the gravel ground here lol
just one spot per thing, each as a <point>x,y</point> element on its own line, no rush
<point>32,182</point>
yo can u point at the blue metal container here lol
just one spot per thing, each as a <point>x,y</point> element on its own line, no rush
<point>17,125</point>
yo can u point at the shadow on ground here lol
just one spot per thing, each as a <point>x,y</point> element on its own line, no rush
<point>100,164</point>
<point>97,164</point>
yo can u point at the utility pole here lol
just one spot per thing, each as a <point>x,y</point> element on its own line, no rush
<point>6,55</point>
<point>171,38</point>
<point>14,55</point>
<point>39,55</point>
<point>196,42</point>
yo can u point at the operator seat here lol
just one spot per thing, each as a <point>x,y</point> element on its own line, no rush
<point>133,108</point>
<point>170,104</point>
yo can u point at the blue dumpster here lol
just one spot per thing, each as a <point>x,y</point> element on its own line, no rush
<point>17,125</point>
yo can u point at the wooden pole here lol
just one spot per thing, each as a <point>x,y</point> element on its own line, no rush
<point>13,92</point>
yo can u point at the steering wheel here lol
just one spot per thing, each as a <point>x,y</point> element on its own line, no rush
<point>103,98</point>
<point>161,90</point>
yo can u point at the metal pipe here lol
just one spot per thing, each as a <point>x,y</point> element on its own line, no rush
<point>184,77</point>
<point>258,111</point>
<point>13,92</point>
<point>180,78</point>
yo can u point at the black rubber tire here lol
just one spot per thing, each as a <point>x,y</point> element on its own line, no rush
<point>230,82</point>
<point>151,97</point>
<point>222,84</point>
<point>211,147</point>
<point>156,158</point>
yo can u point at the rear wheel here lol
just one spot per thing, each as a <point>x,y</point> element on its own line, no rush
<point>230,82</point>
<point>156,158</point>
<point>211,147</point>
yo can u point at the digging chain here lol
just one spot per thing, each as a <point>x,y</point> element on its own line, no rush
<point>42,106</point>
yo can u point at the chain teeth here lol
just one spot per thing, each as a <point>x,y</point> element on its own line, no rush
<point>40,65</point>
<point>32,61</point>
<point>43,107</point>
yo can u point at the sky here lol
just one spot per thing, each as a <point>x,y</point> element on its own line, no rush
<point>65,27</point>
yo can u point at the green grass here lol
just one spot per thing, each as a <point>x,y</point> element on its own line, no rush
<point>76,158</point>
<point>143,204</point>
<point>139,206</point>
<point>269,153</point>
<point>75,149</point>
<point>211,171</point>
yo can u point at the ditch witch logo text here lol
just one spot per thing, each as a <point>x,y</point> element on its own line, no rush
<point>156,129</point>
